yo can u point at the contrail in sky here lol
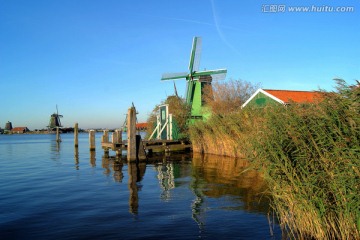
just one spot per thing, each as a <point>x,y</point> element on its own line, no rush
<point>191,21</point>
<point>217,26</point>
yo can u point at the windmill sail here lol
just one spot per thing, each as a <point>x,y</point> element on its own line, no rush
<point>218,76</point>
<point>195,55</point>
<point>195,79</point>
<point>174,76</point>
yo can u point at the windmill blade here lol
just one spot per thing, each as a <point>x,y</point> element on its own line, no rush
<point>210,72</point>
<point>195,55</point>
<point>211,75</point>
<point>173,76</point>
<point>218,77</point>
<point>206,78</point>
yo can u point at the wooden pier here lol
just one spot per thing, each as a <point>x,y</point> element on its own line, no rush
<point>151,145</point>
<point>138,149</point>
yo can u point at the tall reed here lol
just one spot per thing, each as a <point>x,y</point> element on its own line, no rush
<point>309,154</point>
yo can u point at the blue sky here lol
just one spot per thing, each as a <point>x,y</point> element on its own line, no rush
<point>93,58</point>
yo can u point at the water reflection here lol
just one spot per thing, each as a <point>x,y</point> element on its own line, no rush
<point>208,177</point>
<point>181,197</point>
<point>116,166</point>
<point>9,149</point>
<point>166,179</point>
<point>197,205</point>
<point>93,158</point>
<point>136,172</point>
<point>76,157</point>
<point>55,148</point>
<point>220,176</point>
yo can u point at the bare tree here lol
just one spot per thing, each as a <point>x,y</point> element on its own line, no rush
<point>226,97</point>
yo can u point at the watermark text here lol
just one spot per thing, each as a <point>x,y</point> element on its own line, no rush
<point>281,8</point>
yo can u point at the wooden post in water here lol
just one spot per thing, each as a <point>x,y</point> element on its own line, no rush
<point>76,135</point>
<point>92,140</point>
<point>140,151</point>
<point>114,137</point>
<point>118,140</point>
<point>105,139</point>
<point>92,158</point>
<point>58,139</point>
<point>131,134</point>
<point>119,135</point>
<point>105,136</point>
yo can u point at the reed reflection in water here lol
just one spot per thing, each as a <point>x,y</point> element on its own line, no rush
<point>211,177</point>
<point>235,178</point>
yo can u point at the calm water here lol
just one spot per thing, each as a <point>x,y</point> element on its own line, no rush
<point>49,190</point>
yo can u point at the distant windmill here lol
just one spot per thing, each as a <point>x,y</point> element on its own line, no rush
<point>196,80</point>
<point>175,90</point>
<point>55,120</point>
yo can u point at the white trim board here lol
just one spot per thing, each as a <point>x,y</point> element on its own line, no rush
<point>265,93</point>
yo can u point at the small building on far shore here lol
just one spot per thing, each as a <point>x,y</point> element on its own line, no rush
<point>263,97</point>
<point>141,126</point>
<point>20,130</point>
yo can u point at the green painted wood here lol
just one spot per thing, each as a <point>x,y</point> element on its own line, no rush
<point>192,55</point>
<point>209,72</point>
<point>261,100</point>
<point>175,76</point>
<point>163,119</point>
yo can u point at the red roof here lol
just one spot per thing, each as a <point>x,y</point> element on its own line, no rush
<point>295,96</point>
<point>141,125</point>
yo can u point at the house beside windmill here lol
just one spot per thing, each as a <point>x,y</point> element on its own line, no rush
<point>265,97</point>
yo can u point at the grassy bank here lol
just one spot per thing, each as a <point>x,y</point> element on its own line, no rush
<point>309,155</point>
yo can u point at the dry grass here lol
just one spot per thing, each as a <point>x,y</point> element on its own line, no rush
<point>309,155</point>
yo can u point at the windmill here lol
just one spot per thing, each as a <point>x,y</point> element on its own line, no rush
<point>55,120</point>
<point>196,80</point>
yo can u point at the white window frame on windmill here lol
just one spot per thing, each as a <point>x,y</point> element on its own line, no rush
<point>163,121</point>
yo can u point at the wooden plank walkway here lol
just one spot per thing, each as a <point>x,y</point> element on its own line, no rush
<point>167,145</point>
<point>151,145</point>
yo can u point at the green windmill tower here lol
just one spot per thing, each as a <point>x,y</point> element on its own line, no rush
<point>196,80</point>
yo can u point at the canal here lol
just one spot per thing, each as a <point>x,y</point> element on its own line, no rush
<point>50,190</point>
